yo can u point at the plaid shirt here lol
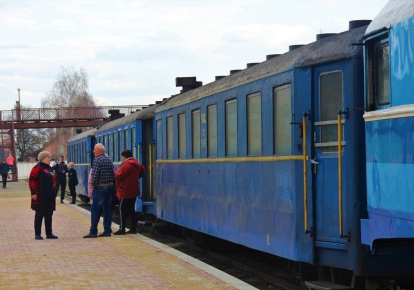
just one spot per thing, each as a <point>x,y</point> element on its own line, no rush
<point>102,171</point>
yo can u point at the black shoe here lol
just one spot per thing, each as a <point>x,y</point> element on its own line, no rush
<point>131,232</point>
<point>89,236</point>
<point>61,201</point>
<point>119,233</point>
<point>73,203</point>
<point>38,238</point>
<point>104,235</point>
<point>52,236</point>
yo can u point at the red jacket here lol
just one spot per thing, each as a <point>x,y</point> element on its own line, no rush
<point>127,178</point>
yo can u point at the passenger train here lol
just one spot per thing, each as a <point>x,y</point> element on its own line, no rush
<point>308,155</point>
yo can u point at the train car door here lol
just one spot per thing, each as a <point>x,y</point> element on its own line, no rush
<point>148,159</point>
<point>328,100</point>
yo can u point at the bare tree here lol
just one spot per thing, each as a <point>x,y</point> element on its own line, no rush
<point>71,89</point>
<point>29,142</point>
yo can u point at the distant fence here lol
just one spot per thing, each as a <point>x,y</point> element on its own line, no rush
<point>23,169</point>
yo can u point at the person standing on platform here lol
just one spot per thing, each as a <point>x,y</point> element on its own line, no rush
<point>60,169</point>
<point>103,187</point>
<point>4,170</point>
<point>42,182</point>
<point>10,162</point>
<point>127,189</point>
<point>73,181</point>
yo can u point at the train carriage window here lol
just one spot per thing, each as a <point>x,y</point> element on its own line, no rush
<point>77,153</point>
<point>113,152</point>
<point>126,140</point>
<point>196,134</point>
<point>181,136</point>
<point>231,128</point>
<point>133,145</point>
<point>254,124</point>
<point>118,156</point>
<point>212,131</point>
<point>170,138</point>
<point>282,118</point>
<point>382,75</point>
<point>105,142</point>
<point>110,143</point>
<point>160,140</point>
<point>330,102</point>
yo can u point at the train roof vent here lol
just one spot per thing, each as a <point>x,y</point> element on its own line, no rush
<point>250,64</point>
<point>188,83</point>
<point>295,46</point>
<point>323,35</point>
<point>270,56</point>
<point>233,71</point>
<point>358,23</point>
<point>219,77</point>
<point>158,102</point>
<point>78,130</point>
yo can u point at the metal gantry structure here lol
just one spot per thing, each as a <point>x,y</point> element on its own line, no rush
<point>73,117</point>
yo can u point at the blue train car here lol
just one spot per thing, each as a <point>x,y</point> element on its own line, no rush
<point>253,158</point>
<point>389,124</point>
<point>134,132</point>
<point>80,152</point>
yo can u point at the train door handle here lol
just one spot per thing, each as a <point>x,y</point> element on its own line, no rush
<point>315,164</point>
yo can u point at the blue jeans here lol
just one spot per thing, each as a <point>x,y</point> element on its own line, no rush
<point>102,199</point>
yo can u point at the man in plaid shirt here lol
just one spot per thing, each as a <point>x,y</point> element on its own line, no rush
<point>103,188</point>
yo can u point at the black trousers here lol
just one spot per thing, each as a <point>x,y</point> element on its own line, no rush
<point>47,214</point>
<point>4,177</point>
<point>72,192</point>
<point>127,205</point>
<point>62,185</point>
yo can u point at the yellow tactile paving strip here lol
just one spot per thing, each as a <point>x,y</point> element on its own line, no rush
<point>71,262</point>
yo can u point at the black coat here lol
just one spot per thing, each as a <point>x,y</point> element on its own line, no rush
<point>58,168</point>
<point>73,177</point>
<point>4,168</point>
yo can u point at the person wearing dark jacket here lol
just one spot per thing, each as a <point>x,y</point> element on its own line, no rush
<point>127,189</point>
<point>4,170</point>
<point>42,182</point>
<point>60,169</point>
<point>73,181</point>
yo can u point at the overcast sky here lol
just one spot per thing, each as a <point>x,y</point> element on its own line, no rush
<point>134,50</point>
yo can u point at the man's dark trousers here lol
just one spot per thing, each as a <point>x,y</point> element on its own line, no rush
<point>61,182</point>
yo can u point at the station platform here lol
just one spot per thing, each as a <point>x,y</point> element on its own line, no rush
<point>72,262</point>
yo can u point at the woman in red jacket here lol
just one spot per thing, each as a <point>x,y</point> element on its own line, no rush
<point>42,181</point>
<point>127,189</point>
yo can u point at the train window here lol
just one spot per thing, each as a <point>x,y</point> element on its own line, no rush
<point>330,102</point>
<point>282,117</point>
<point>113,152</point>
<point>382,75</point>
<point>212,131</point>
<point>254,124</point>
<point>118,156</point>
<point>181,136</point>
<point>126,140</point>
<point>170,138</point>
<point>196,134</point>
<point>104,142</point>
<point>77,153</point>
<point>231,128</point>
<point>133,145</point>
<point>110,142</point>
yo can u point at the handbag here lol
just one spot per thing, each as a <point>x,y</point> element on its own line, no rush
<point>138,204</point>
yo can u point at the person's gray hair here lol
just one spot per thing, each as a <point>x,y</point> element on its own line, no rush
<point>42,155</point>
<point>100,146</point>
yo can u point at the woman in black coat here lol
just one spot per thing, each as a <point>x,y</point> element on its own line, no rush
<point>73,181</point>
<point>4,169</point>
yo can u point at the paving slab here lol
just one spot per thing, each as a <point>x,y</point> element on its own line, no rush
<point>71,262</point>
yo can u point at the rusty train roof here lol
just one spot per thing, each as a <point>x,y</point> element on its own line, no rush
<point>332,48</point>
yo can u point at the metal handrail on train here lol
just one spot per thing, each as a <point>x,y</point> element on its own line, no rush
<point>341,229</point>
<point>305,177</point>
